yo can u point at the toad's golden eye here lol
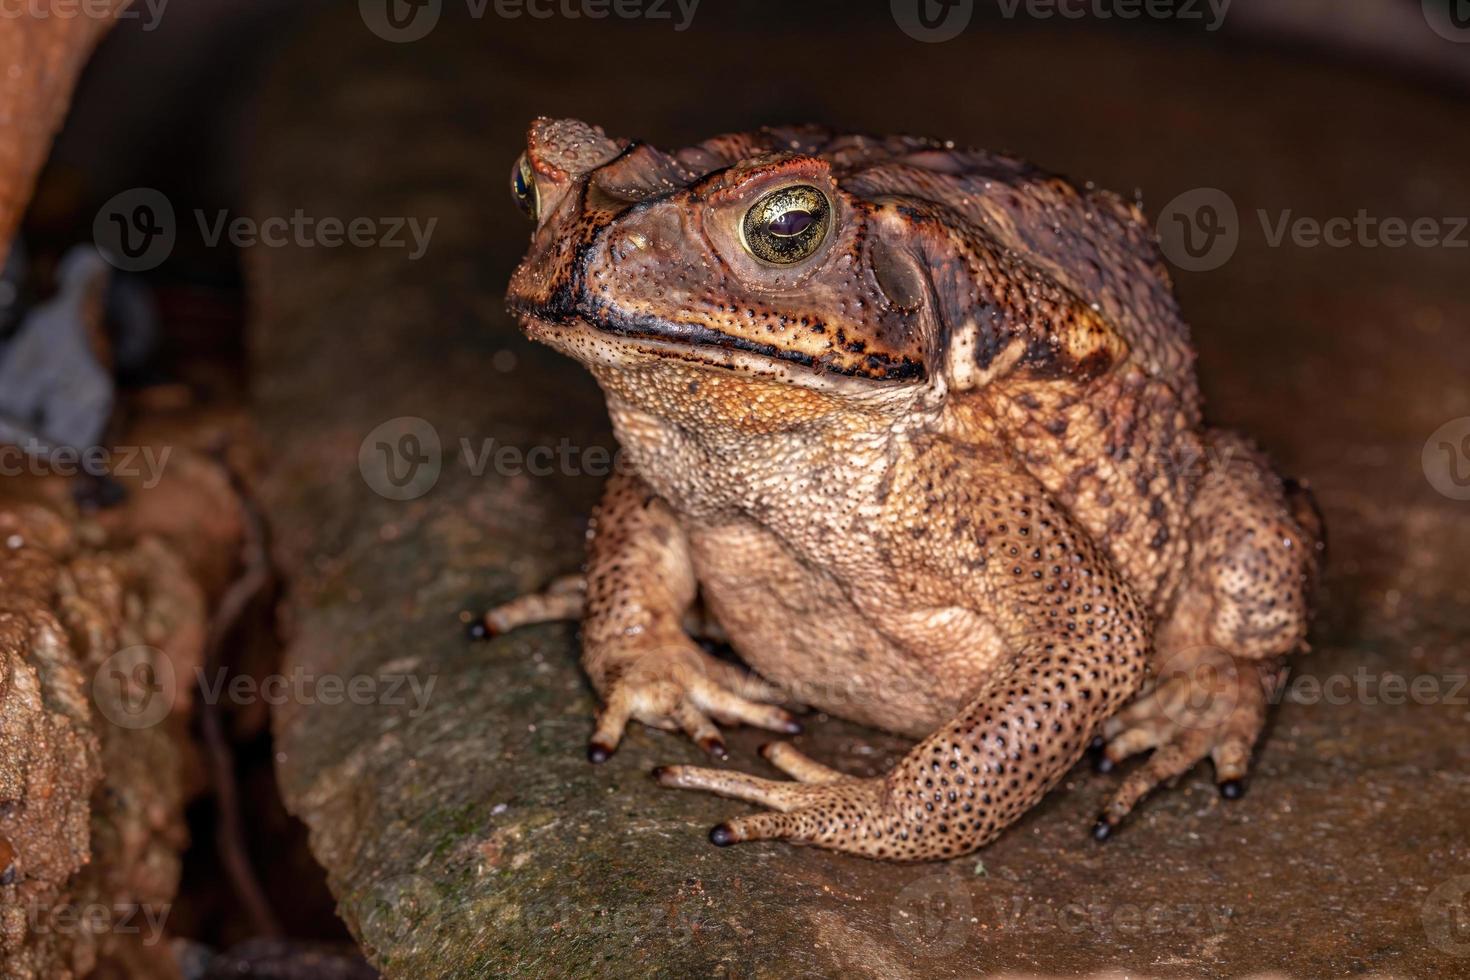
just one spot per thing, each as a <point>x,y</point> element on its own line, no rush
<point>523,188</point>
<point>787,225</point>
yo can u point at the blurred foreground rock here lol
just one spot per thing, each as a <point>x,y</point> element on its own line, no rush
<point>102,630</point>
<point>463,832</point>
<point>43,47</point>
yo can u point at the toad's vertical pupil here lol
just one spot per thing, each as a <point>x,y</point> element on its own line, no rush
<point>523,187</point>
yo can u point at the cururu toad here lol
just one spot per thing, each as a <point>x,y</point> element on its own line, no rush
<point>916,430</point>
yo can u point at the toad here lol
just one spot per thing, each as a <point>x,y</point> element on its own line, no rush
<point>915,429</point>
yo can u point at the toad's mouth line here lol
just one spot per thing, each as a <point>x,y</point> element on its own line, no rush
<point>696,342</point>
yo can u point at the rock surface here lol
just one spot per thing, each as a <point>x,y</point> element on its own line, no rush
<point>463,832</point>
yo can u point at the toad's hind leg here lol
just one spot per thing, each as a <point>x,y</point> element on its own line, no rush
<point>1078,644</point>
<point>1256,549</point>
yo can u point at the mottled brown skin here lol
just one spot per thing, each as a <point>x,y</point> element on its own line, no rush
<point>946,475</point>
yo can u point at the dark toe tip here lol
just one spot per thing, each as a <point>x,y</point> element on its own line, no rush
<point>1232,789</point>
<point>1097,744</point>
<point>721,836</point>
<point>597,752</point>
<point>1102,830</point>
<point>766,749</point>
<point>478,630</point>
<point>1103,764</point>
<point>714,747</point>
<point>657,772</point>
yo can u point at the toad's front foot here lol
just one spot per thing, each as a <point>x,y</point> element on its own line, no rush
<point>1206,703</point>
<point>678,687</point>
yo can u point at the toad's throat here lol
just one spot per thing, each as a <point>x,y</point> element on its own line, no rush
<point>875,366</point>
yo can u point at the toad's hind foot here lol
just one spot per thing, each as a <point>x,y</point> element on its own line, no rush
<point>821,806</point>
<point>1206,704</point>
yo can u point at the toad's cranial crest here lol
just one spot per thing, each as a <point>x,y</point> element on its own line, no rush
<point>915,429</point>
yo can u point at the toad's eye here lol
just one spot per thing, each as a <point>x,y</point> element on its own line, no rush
<point>523,187</point>
<point>787,225</point>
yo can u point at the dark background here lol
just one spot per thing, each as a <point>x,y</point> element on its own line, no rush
<point>1342,361</point>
